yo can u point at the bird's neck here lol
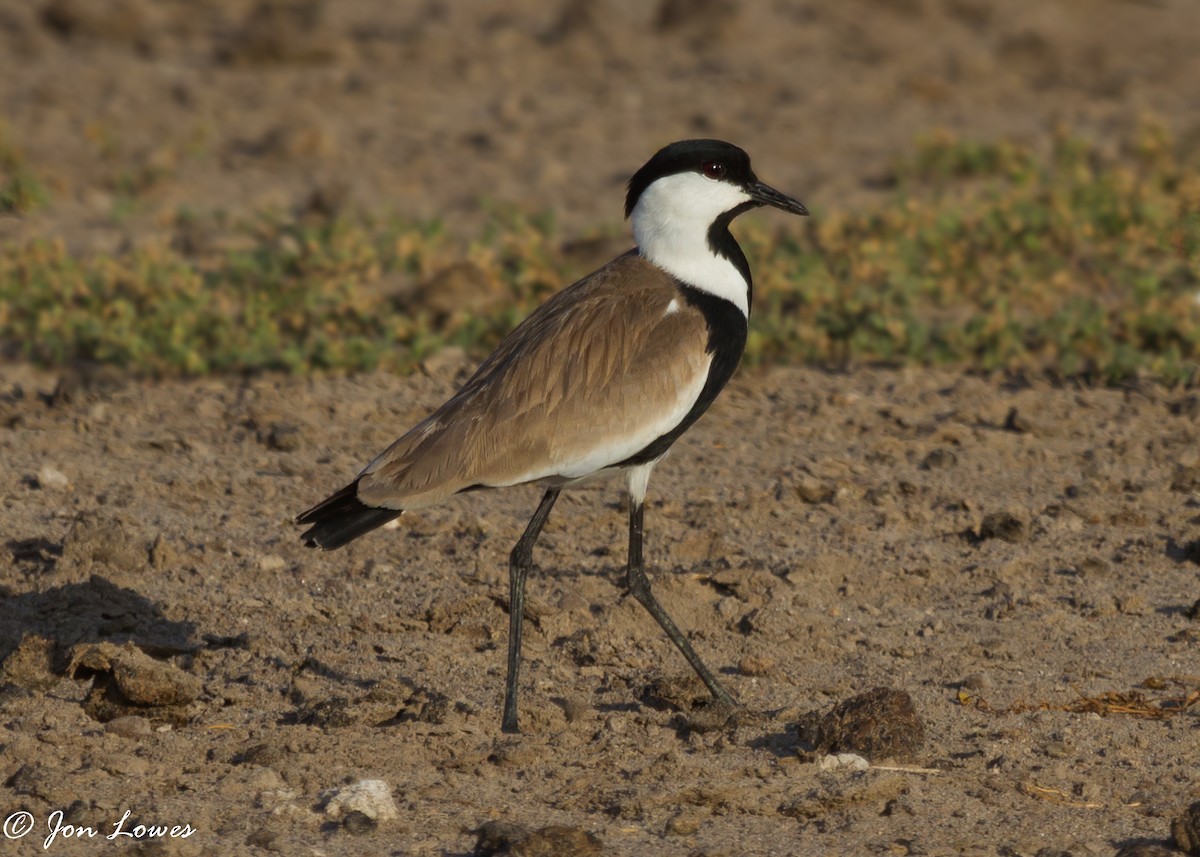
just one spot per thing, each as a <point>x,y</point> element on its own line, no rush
<point>703,256</point>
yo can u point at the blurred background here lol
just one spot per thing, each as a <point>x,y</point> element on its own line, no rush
<point>428,107</point>
<point>128,124</point>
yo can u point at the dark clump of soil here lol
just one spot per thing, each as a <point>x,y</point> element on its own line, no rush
<point>505,839</point>
<point>879,724</point>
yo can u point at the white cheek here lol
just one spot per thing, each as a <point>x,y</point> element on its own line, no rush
<point>670,224</point>
<point>689,198</point>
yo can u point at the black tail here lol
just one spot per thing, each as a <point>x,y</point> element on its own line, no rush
<point>342,518</point>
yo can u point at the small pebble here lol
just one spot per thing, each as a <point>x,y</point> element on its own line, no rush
<point>843,762</point>
<point>939,459</point>
<point>51,477</point>
<point>1017,422</point>
<point>283,437</point>
<point>753,665</point>
<point>1002,525</point>
<point>811,491</point>
<point>129,726</point>
<point>1093,567</point>
<point>573,708</point>
<point>978,681</point>
<point>1057,749</point>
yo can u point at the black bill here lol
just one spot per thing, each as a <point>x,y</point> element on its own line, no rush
<point>767,195</point>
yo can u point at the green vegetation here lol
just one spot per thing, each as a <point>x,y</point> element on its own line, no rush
<point>986,256</point>
<point>991,258</point>
<point>20,191</point>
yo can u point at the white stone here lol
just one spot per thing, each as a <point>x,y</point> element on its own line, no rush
<point>271,562</point>
<point>843,761</point>
<point>51,477</point>
<point>373,798</point>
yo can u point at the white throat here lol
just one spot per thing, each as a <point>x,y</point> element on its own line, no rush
<point>670,225</point>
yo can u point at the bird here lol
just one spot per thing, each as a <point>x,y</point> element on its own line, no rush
<point>599,381</point>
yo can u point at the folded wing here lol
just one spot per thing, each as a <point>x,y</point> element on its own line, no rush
<point>591,378</point>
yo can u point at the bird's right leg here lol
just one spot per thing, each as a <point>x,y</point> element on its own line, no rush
<point>519,563</point>
<point>639,587</point>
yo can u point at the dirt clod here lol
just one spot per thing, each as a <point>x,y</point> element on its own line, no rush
<point>31,664</point>
<point>679,691</point>
<point>879,724</point>
<point>505,839</point>
<point>1002,525</point>
<point>128,679</point>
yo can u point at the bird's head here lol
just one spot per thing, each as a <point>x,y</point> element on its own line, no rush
<point>700,181</point>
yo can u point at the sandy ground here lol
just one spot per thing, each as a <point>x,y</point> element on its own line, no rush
<point>818,535</point>
<point>1019,558</point>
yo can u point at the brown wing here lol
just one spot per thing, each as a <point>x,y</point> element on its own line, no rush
<point>590,378</point>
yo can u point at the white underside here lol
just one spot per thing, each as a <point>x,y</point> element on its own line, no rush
<point>670,224</point>
<point>637,478</point>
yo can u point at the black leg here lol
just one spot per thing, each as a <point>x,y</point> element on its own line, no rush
<point>639,586</point>
<point>519,563</point>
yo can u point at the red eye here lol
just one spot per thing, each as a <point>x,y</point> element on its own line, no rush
<point>713,169</point>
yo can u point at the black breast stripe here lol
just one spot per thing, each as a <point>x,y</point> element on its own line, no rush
<point>726,342</point>
<point>722,242</point>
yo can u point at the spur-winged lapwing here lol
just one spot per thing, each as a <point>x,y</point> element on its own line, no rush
<point>600,380</point>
